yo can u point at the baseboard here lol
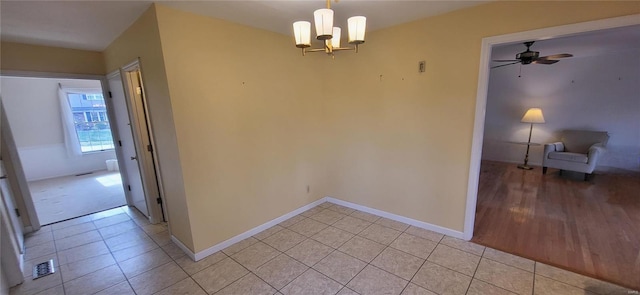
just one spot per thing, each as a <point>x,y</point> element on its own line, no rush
<point>206,252</point>
<point>416,223</point>
<point>218,247</point>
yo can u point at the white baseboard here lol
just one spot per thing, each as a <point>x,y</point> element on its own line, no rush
<point>211,250</point>
<point>416,223</point>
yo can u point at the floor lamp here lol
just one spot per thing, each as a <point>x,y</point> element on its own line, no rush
<point>532,116</point>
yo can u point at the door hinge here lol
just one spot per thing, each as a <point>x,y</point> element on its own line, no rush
<point>159,200</point>
<point>149,148</point>
<point>129,187</point>
<point>17,212</point>
<point>120,142</point>
<point>139,90</point>
<point>110,96</point>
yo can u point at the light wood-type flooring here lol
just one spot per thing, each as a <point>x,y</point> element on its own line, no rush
<point>591,227</point>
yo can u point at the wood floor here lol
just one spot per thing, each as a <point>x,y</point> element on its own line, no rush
<point>592,227</point>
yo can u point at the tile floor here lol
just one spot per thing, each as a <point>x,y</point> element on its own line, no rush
<point>329,249</point>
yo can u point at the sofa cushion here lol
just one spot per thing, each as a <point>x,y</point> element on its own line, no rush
<point>571,157</point>
<point>579,141</point>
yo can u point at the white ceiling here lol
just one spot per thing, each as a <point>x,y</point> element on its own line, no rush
<point>93,25</point>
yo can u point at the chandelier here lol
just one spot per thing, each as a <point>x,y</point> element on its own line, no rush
<point>325,31</point>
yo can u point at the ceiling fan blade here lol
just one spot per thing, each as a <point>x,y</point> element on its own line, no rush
<point>506,60</point>
<point>513,63</point>
<point>556,56</point>
<point>545,61</point>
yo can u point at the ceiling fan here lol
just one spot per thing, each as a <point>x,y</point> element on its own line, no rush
<point>532,57</point>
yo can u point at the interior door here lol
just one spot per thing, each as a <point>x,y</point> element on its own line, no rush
<point>9,205</point>
<point>133,181</point>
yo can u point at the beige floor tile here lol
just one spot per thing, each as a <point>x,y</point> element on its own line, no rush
<point>82,252</point>
<point>40,250</point>
<point>78,240</point>
<point>70,222</point>
<point>413,289</point>
<point>248,285</point>
<point>255,255</point>
<point>116,229</point>
<point>352,224</point>
<point>280,271</point>
<point>73,230</point>
<point>268,232</point>
<point>154,228</point>
<point>347,291</point>
<point>414,245</point>
<point>284,240</point>
<point>239,246</point>
<point>57,290</point>
<point>120,289</point>
<point>27,269</point>
<point>397,225</point>
<point>361,248</point>
<point>398,263</point>
<point>578,280</point>
<point>80,268</point>
<point>327,216</point>
<point>463,245</point>
<point>546,286</point>
<point>372,280</point>
<point>161,238</point>
<point>340,267</point>
<point>333,237</point>
<point>31,240</point>
<point>293,220</point>
<point>311,282</point>
<point>172,250</point>
<point>30,286</point>
<point>192,267</point>
<point>308,227</point>
<point>111,220</point>
<point>95,281</point>
<point>325,205</point>
<point>157,279</point>
<point>424,233</point>
<point>214,278</point>
<point>507,277</point>
<point>185,287</point>
<point>143,262</point>
<point>128,239</point>
<point>309,252</point>
<point>365,216</point>
<point>312,211</point>
<point>441,280</point>
<point>341,209</point>
<point>509,259</point>
<point>380,234</point>
<point>135,250</point>
<point>479,287</point>
<point>107,213</point>
<point>455,259</point>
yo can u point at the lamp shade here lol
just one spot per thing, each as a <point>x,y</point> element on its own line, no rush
<point>335,40</point>
<point>533,115</point>
<point>357,26</point>
<point>324,23</point>
<point>302,33</point>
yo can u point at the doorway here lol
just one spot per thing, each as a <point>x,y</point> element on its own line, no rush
<point>61,129</point>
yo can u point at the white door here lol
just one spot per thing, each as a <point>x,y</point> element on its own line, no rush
<point>10,207</point>
<point>131,167</point>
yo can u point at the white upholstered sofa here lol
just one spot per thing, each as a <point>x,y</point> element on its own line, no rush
<point>578,150</point>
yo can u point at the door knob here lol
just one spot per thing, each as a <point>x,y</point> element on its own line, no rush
<point>134,158</point>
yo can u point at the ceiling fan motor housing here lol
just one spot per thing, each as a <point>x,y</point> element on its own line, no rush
<point>528,56</point>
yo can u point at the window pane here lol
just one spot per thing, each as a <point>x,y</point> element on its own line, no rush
<point>91,122</point>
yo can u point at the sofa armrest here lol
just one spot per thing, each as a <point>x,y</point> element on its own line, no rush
<point>595,152</point>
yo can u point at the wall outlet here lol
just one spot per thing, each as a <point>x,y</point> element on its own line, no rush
<point>422,66</point>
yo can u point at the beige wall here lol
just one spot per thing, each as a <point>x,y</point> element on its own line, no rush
<point>142,40</point>
<point>402,143</point>
<point>248,117</point>
<point>24,57</point>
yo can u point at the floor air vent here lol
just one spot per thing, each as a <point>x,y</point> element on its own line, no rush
<point>43,269</point>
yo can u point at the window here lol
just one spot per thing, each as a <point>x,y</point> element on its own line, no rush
<point>91,121</point>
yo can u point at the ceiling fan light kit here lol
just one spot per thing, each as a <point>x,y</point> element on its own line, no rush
<point>531,57</point>
<point>326,32</point>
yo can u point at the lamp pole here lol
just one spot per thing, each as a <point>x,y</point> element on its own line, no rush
<point>526,156</point>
